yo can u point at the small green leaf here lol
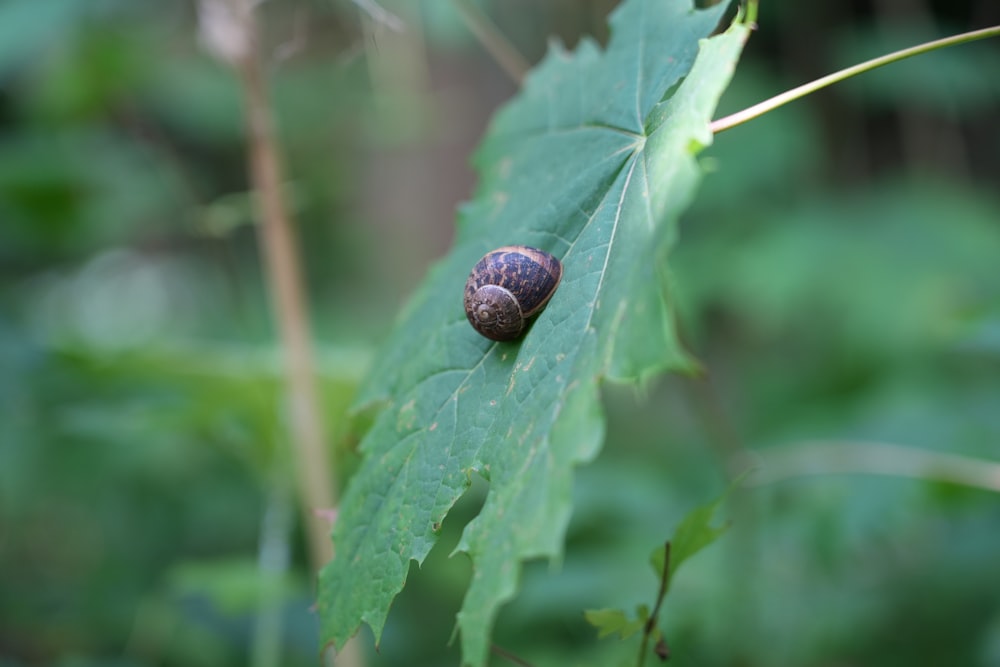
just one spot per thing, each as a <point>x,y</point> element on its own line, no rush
<point>593,161</point>
<point>611,621</point>
<point>694,533</point>
<point>607,621</point>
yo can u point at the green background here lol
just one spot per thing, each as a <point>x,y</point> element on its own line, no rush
<point>837,276</point>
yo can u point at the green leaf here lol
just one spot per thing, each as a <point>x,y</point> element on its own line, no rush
<point>594,160</point>
<point>610,621</point>
<point>694,533</point>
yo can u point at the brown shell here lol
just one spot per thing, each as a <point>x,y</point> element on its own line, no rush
<point>507,287</point>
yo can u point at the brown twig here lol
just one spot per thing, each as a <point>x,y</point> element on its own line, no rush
<point>504,653</point>
<point>228,29</point>
<point>283,275</point>
<point>315,481</point>
<point>650,627</point>
<point>314,473</point>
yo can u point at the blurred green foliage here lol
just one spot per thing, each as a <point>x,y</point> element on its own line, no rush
<point>836,278</point>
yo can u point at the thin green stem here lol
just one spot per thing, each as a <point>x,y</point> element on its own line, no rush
<point>795,93</point>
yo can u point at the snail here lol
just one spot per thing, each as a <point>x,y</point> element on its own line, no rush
<point>507,287</point>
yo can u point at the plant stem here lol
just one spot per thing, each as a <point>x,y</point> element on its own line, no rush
<point>874,458</point>
<point>510,60</point>
<point>756,110</point>
<point>654,616</point>
<point>282,269</point>
<point>315,481</point>
<point>228,28</point>
<point>504,653</point>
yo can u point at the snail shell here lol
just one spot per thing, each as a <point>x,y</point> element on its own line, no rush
<point>507,287</point>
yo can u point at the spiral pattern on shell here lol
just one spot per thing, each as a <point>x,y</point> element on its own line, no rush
<point>507,287</point>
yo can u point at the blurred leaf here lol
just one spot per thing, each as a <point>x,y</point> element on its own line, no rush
<point>694,533</point>
<point>75,190</point>
<point>890,272</point>
<point>197,98</point>
<point>610,621</point>
<point>235,586</point>
<point>90,75</point>
<point>594,160</point>
<point>28,27</point>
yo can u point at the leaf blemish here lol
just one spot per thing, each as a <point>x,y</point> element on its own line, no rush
<point>432,426</point>
<point>499,202</point>
<point>406,416</point>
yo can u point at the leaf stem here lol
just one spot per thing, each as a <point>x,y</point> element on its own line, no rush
<point>647,631</point>
<point>756,110</point>
<point>504,653</point>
